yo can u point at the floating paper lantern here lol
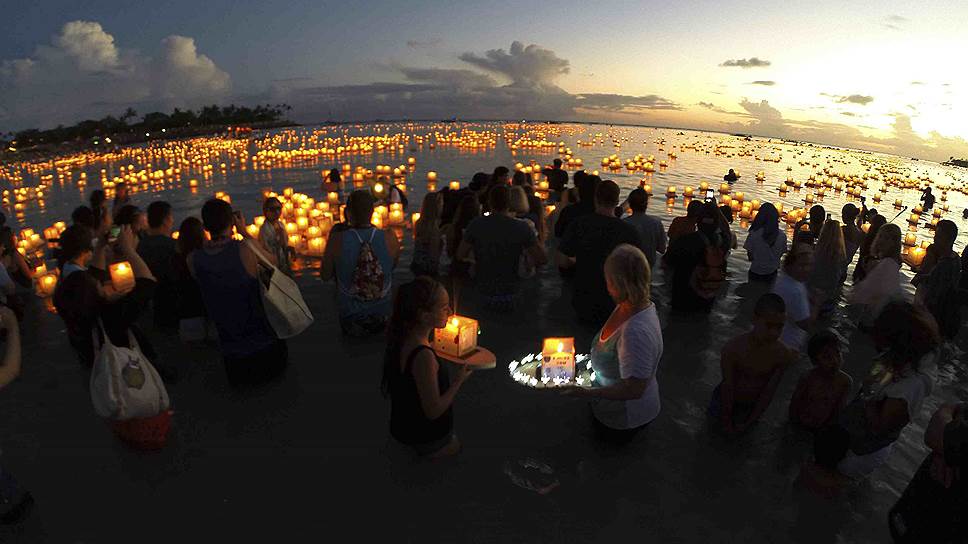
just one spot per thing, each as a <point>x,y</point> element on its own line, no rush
<point>916,256</point>
<point>332,197</point>
<point>431,176</point>
<point>724,188</point>
<point>671,191</point>
<point>454,185</point>
<point>458,338</point>
<point>316,246</point>
<point>910,239</point>
<point>687,192</point>
<point>46,285</point>
<point>122,276</point>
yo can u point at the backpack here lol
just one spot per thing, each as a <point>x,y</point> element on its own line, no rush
<point>368,282</point>
<point>709,275</point>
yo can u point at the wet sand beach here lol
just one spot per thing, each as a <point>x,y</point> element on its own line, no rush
<point>309,458</point>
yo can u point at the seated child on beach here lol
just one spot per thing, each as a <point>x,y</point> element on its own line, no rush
<point>821,476</point>
<point>822,392</point>
<point>752,365</point>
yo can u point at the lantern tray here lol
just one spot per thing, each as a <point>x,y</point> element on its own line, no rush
<point>526,371</point>
<point>479,359</point>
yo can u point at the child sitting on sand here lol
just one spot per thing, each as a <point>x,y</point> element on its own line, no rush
<point>821,476</point>
<point>822,392</point>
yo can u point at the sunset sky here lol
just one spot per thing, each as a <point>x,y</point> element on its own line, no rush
<point>885,76</point>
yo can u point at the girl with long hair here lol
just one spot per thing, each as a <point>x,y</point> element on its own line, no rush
<point>421,393</point>
<point>829,260</point>
<point>468,210</point>
<point>765,244</point>
<point>864,260</point>
<point>882,283</point>
<point>428,239</point>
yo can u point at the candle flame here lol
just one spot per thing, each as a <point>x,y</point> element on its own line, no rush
<point>561,346</point>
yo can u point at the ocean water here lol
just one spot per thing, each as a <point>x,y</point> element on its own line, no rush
<point>683,483</point>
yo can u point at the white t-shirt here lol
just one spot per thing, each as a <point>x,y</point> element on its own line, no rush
<point>639,351</point>
<point>913,386</point>
<point>879,286</point>
<point>794,295</point>
<point>764,258</point>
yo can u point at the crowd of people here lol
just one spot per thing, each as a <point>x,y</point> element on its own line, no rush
<point>493,236</point>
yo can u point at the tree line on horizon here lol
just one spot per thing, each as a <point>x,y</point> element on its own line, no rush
<point>111,125</point>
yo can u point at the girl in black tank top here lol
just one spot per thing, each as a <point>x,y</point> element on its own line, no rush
<point>419,386</point>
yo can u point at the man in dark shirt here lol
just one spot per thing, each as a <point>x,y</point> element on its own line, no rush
<point>157,249</point>
<point>587,243</point>
<point>557,178</point>
<point>498,241</point>
<point>689,251</point>
<point>586,186</point>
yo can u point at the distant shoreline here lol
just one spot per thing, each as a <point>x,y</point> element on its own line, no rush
<point>50,151</point>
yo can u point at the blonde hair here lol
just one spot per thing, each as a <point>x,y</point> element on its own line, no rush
<point>627,269</point>
<point>887,243</point>
<point>830,244</point>
<point>519,201</point>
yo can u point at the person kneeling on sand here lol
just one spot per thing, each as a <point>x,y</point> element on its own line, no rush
<point>752,365</point>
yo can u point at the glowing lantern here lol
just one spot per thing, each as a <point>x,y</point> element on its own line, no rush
<point>431,176</point>
<point>558,359</point>
<point>910,239</point>
<point>253,230</point>
<point>291,228</point>
<point>724,188</point>
<point>458,338</point>
<point>122,276</point>
<point>671,192</point>
<point>687,192</point>
<point>302,223</point>
<point>332,197</point>
<point>916,256</point>
<point>46,285</point>
<point>40,270</point>
<point>316,246</point>
<point>454,185</point>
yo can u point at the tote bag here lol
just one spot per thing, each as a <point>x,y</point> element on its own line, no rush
<point>124,384</point>
<point>285,308</point>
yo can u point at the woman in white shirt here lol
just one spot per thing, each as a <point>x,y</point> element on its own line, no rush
<point>765,244</point>
<point>626,352</point>
<point>883,280</point>
<point>898,383</point>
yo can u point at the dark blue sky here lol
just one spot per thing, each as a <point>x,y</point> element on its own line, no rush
<point>830,69</point>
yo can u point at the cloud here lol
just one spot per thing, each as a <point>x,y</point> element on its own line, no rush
<point>765,120</point>
<point>762,82</point>
<point>895,22</point>
<point>856,99</point>
<point>416,44</point>
<point>751,62</point>
<point>527,89</point>
<point>917,83</point>
<point>83,74</point>
<point>456,78</point>
<point>859,99</point>
<point>530,67</point>
<point>848,114</point>
<point>621,102</point>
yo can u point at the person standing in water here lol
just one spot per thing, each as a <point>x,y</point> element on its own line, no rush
<point>626,352</point>
<point>272,234</point>
<point>752,365</point>
<point>731,176</point>
<point>928,198</point>
<point>419,387</point>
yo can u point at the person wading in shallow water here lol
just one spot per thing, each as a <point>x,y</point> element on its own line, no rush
<point>752,365</point>
<point>421,393</point>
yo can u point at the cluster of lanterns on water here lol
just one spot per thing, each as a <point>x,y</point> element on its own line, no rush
<point>308,221</point>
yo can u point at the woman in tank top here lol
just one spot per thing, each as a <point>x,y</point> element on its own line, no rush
<point>421,393</point>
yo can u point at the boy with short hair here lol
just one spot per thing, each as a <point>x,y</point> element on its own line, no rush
<point>752,365</point>
<point>822,392</point>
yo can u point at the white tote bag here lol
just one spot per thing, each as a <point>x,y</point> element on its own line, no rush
<point>285,308</point>
<point>124,384</point>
